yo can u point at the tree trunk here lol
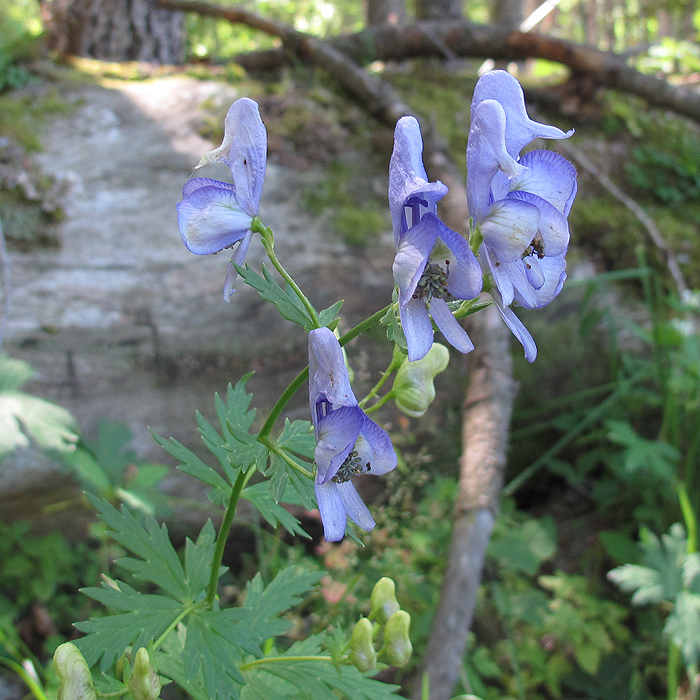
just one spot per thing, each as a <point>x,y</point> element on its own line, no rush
<point>439,9</point>
<point>114,30</point>
<point>380,12</point>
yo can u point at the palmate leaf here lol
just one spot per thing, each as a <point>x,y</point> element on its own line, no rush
<point>215,642</point>
<point>25,418</point>
<point>298,443</point>
<point>662,577</point>
<point>158,561</point>
<point>683,625</point>
<point>315,680</point>
<point>284,592</point>
<point>392,321</point>
<point>274,513</point>
<point>147,618</point>
<point>287,302</point>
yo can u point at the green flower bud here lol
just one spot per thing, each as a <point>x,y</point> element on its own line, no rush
<point>397,643</point>
<point>74,674</point>
<point>144,683</point>
<point>413,385</point>
<point>383,600</point>
<point>362,652</point>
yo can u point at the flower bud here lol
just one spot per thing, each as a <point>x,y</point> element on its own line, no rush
<point>413,385</point>
<point>144,683</point>
<point>397,643</point>
<point>74,674</point>
<point>362,652</point>
<point>383,600</point>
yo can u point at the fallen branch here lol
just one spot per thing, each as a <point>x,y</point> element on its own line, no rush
<point>459,38</point>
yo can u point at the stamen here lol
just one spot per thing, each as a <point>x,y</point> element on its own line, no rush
<point>535,248</point>
<point>433,283</point>
<point>352,466</point>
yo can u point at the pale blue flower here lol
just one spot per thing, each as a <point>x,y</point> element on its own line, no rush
<point>519,203</point>
<point>348,443</point>
<point>214,215</point>
<point>425,285</point>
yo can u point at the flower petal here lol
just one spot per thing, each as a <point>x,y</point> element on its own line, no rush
<point>509,227</point>
<point>237,258</point>
<point>486,155</point>
<point>412,255</point>
<point>354,506</point>
<point>533,271</point>
<point>196,183</point>
<point>549,176</point>
<point>552,226</point>
<point>244,150</point>
<point>336,434</point>
<point>520,129</point>
<point>328,375</point>
<point>417,328</point>
<point>374,446</point>
<point>465,279</point>
<point>517,328</point>
<point>455,335</point>
<point>332,510</point>
<point>210,219</point>
<point>407,176</point>
<point>554,271</point>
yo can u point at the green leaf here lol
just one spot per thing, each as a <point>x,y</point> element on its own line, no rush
<point>283,475</point>
<point>640,454</point>
<point>683,626</point>
<point>320,679</point>
<point>87,470</point>
<point>13,373</point>
<point>287,302</point>
<point>526,547</point>
<point>328,316</point>
<point>392,321</point>
<point>259,496</point>
<point>298,437</point>
<point>147,618</point>
<point>216,640</point>
<point>284,592</point>
<point>25,418</point>
<point>198,558</point>
<point>662,577</point>
<point>159,562</point>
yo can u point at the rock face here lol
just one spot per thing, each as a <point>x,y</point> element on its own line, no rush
<point>122,321</point>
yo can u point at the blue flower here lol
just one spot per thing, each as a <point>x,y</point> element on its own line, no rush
<point>519,204</point>
<point>424,284</point>
<point>348,443</point>
<point>214,215</point>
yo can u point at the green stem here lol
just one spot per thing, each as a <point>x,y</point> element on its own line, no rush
<point>181,616</point>
<point>31,683</point>
<point>373,320</point>
<point>269,242</point>
<point>394,364</point>
<point>281,659</point>
<point>691,524</point>
<point>672,670</point>
<point>389,395</point>
<point>223,534</point>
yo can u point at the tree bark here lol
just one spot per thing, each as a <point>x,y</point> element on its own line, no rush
<point>429,39</point>
<point>379,12</point>
<point>114,30</point>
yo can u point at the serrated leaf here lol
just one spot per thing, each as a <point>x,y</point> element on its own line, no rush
<point>193,465</point>
<point>282,475</point>
<point>198,558</point>
<point>328,316</point>
<point>216,640</point>
<point>317,680</point>
<point>298,437</point>
<point>259,495</point>
<point>640,454</point>
<point>287,302</point>
<point>159,562</point>
<point>284,592</point>
<point>147,618</point>
<point>683,626</point>
<point>25,418</point>
<point>392,321</point>
<point>661,578</point>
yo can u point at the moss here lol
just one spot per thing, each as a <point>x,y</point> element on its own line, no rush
<point>358,226</point>
<point>25,224</point>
